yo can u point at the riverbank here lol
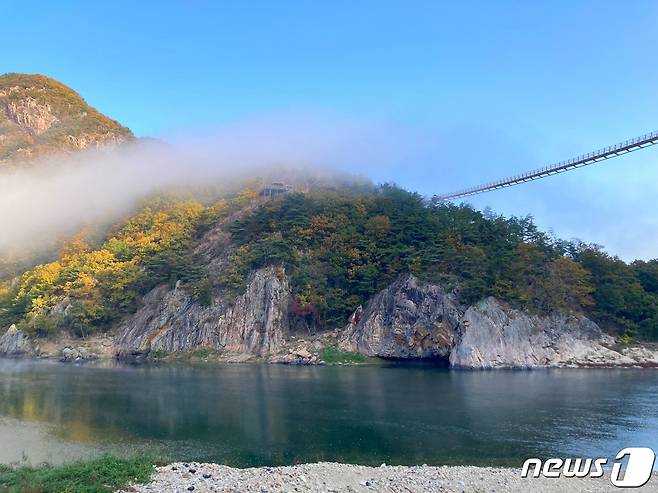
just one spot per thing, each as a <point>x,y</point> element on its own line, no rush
<point>321,349</point>
<point>333,477</point>
<point>409,320</point>
<point>110,474</point>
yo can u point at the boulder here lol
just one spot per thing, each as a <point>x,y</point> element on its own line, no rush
<point>300,357</point>
<point>15,343</point>
<point>76,355</point>
<point>303,353</point>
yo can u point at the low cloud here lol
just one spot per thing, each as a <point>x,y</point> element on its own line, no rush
<point>60,195</point>
<point>605,204</point>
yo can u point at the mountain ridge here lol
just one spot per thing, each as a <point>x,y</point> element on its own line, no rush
<point>231,268</point>
<point>40,116</point>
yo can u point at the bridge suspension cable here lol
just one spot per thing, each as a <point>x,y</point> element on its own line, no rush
<point>625,147</point>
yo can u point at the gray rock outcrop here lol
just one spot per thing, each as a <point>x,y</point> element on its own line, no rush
<point>492,335</point>
<point>15,343</point>
<point>171,320</point>
<point>414,319</point>
<point>409,319</point>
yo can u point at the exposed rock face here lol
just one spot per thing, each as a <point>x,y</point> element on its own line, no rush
<point>170,320</point>
<point>94,140</point>
<point>258,322</point>
<point>40,116</point>
<point>494,336</point>
<point>31,115</point>
<point>15,343</point>
<point>409,319</point>
<point>412,319</point>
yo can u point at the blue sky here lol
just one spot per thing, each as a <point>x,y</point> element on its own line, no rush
<point>494,87</point>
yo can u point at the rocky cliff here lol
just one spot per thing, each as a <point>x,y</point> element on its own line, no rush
<point>491,335</point>
<point>256,323</point>
<point>15,343</point>
<point>413,319</point>
<point>39,116</point>
<point>410,319</point>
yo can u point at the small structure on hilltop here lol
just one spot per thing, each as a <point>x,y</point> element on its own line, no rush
<point>274,189</point>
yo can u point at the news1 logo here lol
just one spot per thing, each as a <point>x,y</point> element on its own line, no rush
<point>638,470</point>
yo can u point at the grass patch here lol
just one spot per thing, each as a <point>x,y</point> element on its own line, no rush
<point>204,353</point>
<point>101,475</point>
<point>159,354</point>
<point>199,354</point>
<point>331,354</point>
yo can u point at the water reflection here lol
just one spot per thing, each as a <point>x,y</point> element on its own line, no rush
<point>263,414</point>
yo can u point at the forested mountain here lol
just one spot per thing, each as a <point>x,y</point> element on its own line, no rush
<point>339,247</point>
<point>339,242</point>
<point>39,116</point>
<point>342,248</point>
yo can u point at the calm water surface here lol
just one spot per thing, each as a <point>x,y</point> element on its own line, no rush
<point>246,415</point>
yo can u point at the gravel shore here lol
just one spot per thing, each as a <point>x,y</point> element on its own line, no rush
<point>331,477</point>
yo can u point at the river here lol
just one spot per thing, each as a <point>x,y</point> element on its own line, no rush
<point>252,415</point>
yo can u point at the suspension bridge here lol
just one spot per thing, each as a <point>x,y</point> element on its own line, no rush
<point>593,157</point>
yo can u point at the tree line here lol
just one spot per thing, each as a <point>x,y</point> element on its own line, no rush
<point>340,246</point>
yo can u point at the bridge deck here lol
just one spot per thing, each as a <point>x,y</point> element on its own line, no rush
<point>625,147</point>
